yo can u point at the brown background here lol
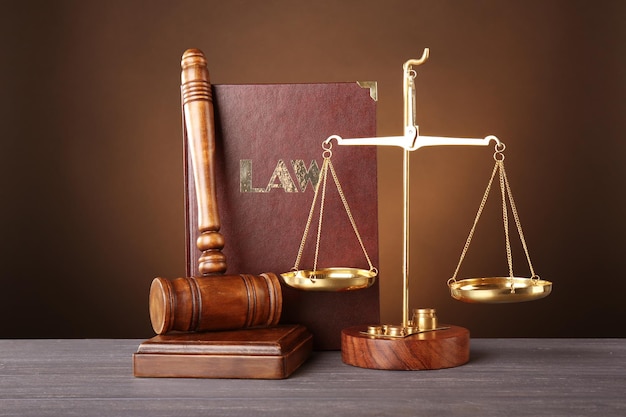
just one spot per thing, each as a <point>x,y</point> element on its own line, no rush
<point>91,154</point>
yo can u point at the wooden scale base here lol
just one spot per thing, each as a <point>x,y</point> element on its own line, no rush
<point>437,349</point>
<point>264,353</point>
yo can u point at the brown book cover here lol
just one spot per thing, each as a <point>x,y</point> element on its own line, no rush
<point>268,157</point>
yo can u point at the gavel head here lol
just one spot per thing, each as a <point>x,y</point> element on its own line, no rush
<point>224,302</point>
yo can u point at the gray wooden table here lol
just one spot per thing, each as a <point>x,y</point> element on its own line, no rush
<point>505,377</point>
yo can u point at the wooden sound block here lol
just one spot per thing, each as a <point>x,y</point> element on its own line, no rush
<point>430,350</point>
<point>263,353</point>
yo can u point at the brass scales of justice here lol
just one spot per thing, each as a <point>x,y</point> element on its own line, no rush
<point>419,342</point>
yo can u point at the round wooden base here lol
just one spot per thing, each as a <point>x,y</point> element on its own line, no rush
<point>430,350</point>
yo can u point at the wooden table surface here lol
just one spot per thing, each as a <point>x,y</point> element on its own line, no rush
<point>505,377</point>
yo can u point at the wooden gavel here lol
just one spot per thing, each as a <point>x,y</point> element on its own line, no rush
<point>212,301</point>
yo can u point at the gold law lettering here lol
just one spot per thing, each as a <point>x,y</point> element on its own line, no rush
<point>281,177</point>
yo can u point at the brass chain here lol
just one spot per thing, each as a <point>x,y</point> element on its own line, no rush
<point>505,219</point>
<point>327,154</point>
<point>505,190</point>
<point>323,178</point>
<point>473,229</point>
<point>518,224</point>
<point>310,217</point>
<point>352,222</point>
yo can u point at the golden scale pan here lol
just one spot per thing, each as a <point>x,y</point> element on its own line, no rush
<point>494,290</point>
<point>419,342</point>
<point>334,278</point>
<point>472,290</point>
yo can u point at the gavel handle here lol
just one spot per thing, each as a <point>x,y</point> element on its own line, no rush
<point>199,128</point>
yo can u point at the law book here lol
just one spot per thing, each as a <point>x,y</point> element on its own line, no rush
<point>268,160</point>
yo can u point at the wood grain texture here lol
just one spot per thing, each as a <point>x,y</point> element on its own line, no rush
<point>264,353</point>
<point>215,303</point>
<point>199,134</point>
<point>425,351</point>
<point>504,377</point>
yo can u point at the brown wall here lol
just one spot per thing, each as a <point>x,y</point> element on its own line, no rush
<point>91,170</point>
